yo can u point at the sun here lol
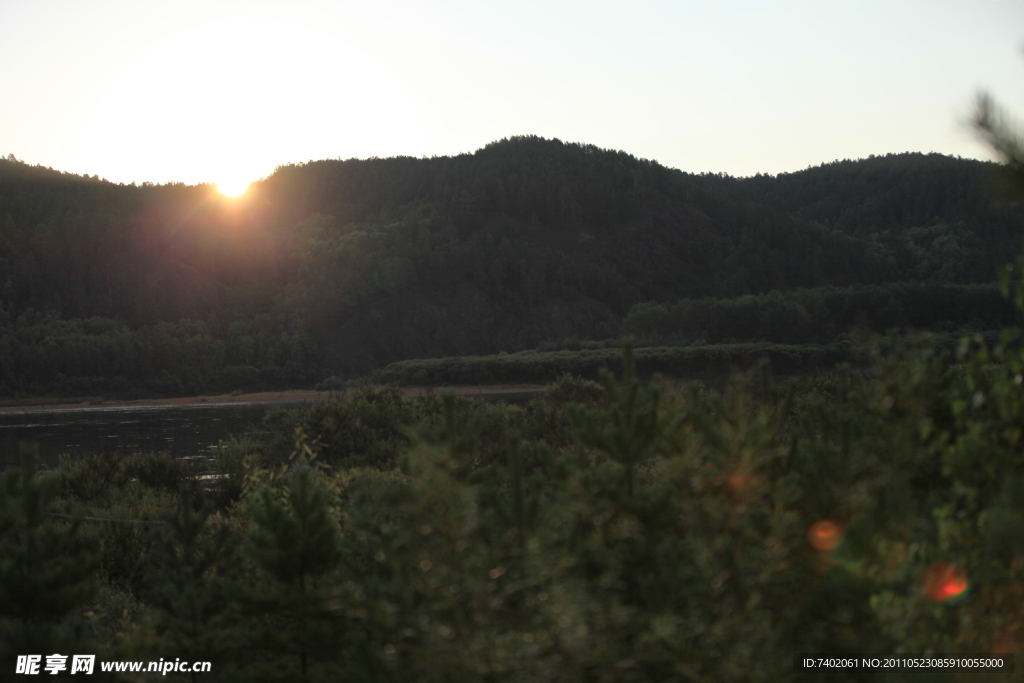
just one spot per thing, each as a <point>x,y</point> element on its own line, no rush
<point>233,188</point>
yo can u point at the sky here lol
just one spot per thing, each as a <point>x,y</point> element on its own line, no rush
<point>225,91</point>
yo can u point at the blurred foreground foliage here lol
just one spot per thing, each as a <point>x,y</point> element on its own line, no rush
<point>621,531</point>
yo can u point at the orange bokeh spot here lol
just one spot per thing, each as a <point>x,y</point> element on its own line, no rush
<point>742,485</point>
<point>738,484</point>
<point>944,582</point>
<point>824,535</point>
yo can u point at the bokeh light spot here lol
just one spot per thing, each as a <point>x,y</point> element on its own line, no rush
<point>824,535</point>
<point>943,582</point>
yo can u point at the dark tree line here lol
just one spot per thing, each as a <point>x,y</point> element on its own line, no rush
<point>820,315</point>
<point>83,357</point>
<point>365,262</point>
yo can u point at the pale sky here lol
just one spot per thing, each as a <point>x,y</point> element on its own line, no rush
<point>224,91</point>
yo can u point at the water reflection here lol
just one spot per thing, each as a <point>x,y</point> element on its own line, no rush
<point>183,431</point>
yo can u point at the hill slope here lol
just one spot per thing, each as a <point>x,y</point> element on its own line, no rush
<point>334,267</point>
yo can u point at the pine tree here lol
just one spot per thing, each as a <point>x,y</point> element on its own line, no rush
<point>188,584</point>
<point>297,544</point>
<point>629,431</point>
<point>45,572</point>
<point>1004,136</point>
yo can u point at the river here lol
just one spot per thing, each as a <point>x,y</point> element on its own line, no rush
<point>187,430</point>
<point>179,430</point>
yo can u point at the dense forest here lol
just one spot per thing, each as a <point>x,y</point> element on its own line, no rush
<point>342,267</point>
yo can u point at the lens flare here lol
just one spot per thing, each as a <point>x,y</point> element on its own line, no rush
<point>944,582</point>
<point>824,535</point>
<point>233,188</point>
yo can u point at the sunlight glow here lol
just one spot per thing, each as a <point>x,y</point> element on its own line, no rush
<point>214,128</point>
<point>233,188</point>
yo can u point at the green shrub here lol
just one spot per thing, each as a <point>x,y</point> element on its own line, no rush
<point>162,470</point>
<point>229,458</point>
<point>573,389</point>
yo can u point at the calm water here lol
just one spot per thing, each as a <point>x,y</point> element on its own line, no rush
<point>180,430</point>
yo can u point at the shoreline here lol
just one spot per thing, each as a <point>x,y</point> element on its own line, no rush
<point>290,396</point>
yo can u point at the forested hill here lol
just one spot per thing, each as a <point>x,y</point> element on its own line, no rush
<point>934,216</point>
<point>336,267</point>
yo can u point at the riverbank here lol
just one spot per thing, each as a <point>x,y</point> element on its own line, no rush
<point>291,396</point>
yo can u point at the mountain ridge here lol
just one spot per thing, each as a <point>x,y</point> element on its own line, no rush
<point>360,263</point>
